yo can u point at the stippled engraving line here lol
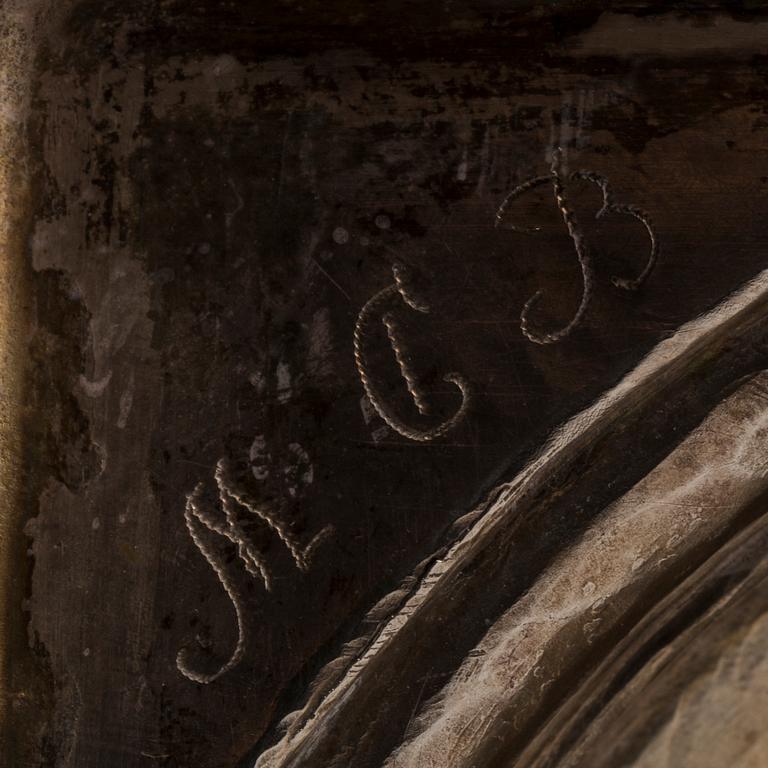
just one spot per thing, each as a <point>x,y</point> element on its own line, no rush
<point>517,192</point>
<point>579,243</point>
<point>609,206</point>
<point>582,253</point>
<point>404,288</point>
<point>376,306</point>
<point>405,369</point>
<point>196,518</point>
<point>228,490</point>
<point>199,518</point>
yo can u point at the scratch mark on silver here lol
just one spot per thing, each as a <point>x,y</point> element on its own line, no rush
<point>373,307</point>
<point>325,272</point>
<point>198,518</point>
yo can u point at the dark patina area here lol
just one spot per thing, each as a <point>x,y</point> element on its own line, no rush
<point>220,189</point>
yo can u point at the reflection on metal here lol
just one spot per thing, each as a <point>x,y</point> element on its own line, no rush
<point>579,243</point>
<point>373,307</point>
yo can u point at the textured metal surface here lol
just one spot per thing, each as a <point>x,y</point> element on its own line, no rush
<point>200,201</point>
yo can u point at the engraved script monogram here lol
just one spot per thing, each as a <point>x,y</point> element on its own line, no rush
<point>367,314</point>
<point>224,521</point>
<point>579,242</point>
<point>199,518</point>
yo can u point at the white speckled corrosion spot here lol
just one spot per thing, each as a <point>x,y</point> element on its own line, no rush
<point>340,236</point>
